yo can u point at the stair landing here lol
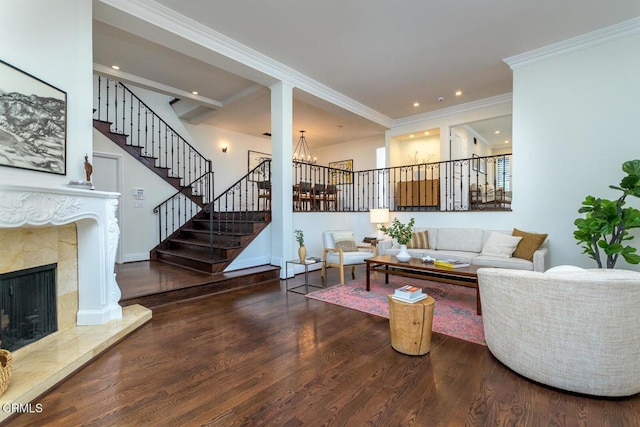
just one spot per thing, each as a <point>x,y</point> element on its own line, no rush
<point>154,283</point>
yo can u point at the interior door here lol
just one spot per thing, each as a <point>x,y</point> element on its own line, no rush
<point>107,176</point>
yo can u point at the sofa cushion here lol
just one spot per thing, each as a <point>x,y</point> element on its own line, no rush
<point>419,240</point>
<point>459,239</point>
<point>501,262</point>
<point>528,245</point>
<point>345,241</point>
<point>454,255</point>
<point>500,245</point>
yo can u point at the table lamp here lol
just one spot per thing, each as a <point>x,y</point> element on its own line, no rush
<point>379,217</point>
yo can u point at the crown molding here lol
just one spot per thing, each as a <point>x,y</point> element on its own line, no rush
<point>150,84</point>
<point>456,109</point>
<point>615,32</point>
<point>167,19</point>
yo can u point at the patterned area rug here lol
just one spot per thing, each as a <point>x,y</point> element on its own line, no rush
<point>455,308</point>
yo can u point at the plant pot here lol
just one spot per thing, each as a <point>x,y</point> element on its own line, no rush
<point>403,255</point>
<point>302,253</point>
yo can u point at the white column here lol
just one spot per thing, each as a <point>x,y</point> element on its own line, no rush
<point>281,171</point>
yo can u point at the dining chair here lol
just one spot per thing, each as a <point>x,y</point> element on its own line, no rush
<point>302,195</point>
<point>264,193</point>
<point>331,197</point>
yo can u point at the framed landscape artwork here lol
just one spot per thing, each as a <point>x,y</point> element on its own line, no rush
<point>33,122</point>
<point>338,176</point>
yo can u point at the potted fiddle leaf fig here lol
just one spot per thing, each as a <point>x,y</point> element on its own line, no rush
<point>402,233</point>
<point>607,223</point>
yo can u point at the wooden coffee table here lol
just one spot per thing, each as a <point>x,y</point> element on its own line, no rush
<point>417,269</point>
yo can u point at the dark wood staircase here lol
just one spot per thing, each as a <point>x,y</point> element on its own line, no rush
<point>210,244</point>
<point>207,243</point>
<point>150,162</point>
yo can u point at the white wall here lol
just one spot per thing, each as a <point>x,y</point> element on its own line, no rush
<point>362,151</point>
<point>232,165</point>
<point>52,41</point>
<point>138,225</point>
<point>575,121</point>
<point>427,149</point>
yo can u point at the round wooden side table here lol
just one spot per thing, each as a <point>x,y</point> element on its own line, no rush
<point>410,325</point>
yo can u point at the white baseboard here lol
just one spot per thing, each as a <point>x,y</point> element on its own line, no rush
<point>143,256</point>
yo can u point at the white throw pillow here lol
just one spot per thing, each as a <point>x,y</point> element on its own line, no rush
<point>500,245</point>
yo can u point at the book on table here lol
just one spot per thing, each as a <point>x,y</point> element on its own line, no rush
<point>450,263</point>
<point>408,293</point>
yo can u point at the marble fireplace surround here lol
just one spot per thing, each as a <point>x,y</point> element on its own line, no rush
<point>93,212</point>
<point>100,321</point>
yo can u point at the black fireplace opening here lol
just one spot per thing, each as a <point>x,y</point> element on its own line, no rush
<point>27,306</point>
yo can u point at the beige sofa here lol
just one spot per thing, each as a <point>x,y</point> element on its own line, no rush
<point>465,244</point>
<point>576,330</point>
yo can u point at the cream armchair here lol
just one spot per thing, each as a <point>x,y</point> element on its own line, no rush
<point>569,328</point>
<point>486,196</point>
<point>340,250</point>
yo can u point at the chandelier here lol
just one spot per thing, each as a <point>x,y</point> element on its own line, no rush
<point>302,153</point>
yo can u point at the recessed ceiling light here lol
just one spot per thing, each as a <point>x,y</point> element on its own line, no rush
<point>497,132</point>
<point>115,67</point>
<point>507,141</point>
<point>195,92</point>
<point>411,136</point>
<point>458,92</point>
<point>426,133</point>
<point>416,104</point>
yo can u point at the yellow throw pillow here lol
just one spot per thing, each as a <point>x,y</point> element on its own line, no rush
<point>528,245</point>
<point>419,240</point>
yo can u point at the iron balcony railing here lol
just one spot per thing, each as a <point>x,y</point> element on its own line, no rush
<point>477,183</point>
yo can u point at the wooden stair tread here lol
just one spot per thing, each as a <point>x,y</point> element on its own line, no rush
<point>217,233</point>
<point>190,255</point>
<point>194,242</point>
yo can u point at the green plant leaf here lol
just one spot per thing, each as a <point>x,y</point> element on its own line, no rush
<point>631,167</point>
<point>606,223</point>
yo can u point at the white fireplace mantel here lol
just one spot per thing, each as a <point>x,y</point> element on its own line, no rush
<point>93,212</point>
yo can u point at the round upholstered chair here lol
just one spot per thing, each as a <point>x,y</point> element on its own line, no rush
<point>569,328</point>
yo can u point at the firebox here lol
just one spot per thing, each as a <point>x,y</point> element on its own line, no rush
<point>27,306</point>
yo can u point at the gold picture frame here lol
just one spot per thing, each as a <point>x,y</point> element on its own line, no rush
<point>341,172</point>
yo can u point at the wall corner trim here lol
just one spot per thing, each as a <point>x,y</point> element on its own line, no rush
<point>615,32</point>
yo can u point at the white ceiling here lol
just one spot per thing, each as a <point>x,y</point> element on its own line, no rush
<point>381,54</point>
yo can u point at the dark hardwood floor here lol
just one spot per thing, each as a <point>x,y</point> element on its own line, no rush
<point>264,356</point>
